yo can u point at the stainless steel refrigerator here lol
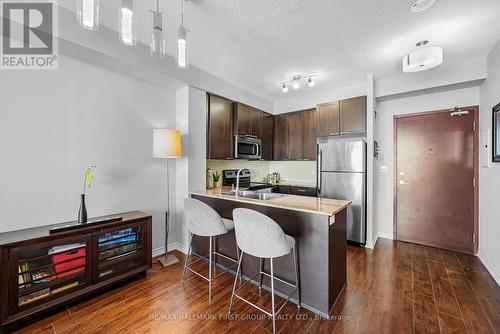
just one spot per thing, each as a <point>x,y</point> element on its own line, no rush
<point>342,175</point>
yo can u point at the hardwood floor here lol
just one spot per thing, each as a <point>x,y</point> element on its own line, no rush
<point>395,288</point>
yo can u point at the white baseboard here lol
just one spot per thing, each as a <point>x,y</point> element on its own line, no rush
<point>383,235</point>
<point>490,268</point>
<point>171,246</point>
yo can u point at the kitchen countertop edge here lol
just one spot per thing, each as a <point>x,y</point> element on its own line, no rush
<point>336,207</point>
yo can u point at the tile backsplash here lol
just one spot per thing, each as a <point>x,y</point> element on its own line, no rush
<point>302,172</point>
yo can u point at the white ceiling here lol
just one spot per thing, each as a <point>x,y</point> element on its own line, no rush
<point>256,43</point>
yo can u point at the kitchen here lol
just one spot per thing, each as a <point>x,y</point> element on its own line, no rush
<point>251,166</point>
<point>283,150</point>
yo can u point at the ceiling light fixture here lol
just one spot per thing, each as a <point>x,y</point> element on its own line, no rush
<point>421,5</point>
<point>284,88</point>
<point>157,40</point>
<point>295,81</point>
<point>424,58</point>
<point>181,41</point>
<point>128,24</point>
<point>87,14</point>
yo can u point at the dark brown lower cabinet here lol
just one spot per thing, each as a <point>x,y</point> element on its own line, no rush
<point>43,270</point>
<point>296,190</point>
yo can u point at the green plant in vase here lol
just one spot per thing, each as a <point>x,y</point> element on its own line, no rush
<point>87,182</point>
<point>216,178</point>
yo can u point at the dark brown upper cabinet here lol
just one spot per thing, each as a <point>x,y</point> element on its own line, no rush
<point>256,122</point>
<point>267,136</point>
<point>328,115</point>
<point>247,121</point>
<point>353,115</point>
<point>342,117</point>
<point>219,128</point>
<point>295,135</point>
<point>281,137</point>
<point>309,135</point>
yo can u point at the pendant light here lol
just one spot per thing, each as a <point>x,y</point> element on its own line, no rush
<point>181,41</point>
<point>424,58</point>
<point>157,40</point>
<point>87,14</point>
<point>128,23</point>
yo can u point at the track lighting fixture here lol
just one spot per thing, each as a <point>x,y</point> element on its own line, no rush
<point>295,81</point>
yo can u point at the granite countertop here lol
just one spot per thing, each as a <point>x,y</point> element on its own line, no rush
<point>323,206</point>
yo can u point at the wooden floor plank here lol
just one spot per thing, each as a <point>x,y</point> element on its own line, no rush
<point>472,312</point>
<point>443,292</point>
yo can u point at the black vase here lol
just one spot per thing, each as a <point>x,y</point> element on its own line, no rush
<point>82,212</point>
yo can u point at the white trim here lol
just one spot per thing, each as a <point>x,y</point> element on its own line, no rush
<point>490,268</point>
<point>384,235</point>
<point>172,246</point>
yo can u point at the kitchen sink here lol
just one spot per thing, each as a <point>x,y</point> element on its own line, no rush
<point>262,196</point>
<point>253,194</point>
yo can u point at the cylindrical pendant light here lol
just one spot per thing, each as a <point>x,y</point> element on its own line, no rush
<point>87,14</point>
<point>157,40</point>
<point>128,23</point>
<point>182,60</point>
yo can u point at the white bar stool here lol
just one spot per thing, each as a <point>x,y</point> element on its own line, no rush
<point>204,221</point>
<point>260,236</point>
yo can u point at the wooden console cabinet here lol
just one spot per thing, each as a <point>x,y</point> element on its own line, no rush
<point>41,271</point>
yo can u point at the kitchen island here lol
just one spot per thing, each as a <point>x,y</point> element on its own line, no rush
<point>319,228</point>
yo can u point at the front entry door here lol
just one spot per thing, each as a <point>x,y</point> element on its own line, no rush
<point>436,178</point>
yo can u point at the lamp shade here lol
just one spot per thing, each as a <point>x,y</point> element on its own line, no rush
<point>166,143</point>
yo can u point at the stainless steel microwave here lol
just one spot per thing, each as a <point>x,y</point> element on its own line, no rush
<point>247,147</point>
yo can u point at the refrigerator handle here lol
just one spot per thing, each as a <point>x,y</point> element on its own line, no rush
<point>320,156</point>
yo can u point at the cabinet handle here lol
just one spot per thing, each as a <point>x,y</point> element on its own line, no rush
<point>301,190</point>
<point>333,134</point>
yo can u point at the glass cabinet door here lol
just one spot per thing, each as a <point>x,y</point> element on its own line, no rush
<point>49,270</point>
<point>119,250</point>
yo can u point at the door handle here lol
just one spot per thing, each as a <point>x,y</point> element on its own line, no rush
<point>320,156</point>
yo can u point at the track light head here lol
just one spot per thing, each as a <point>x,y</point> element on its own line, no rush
<point>311,82</point>
<point>284,88</point>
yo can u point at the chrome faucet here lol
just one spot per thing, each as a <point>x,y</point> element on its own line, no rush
<point>238,182</point>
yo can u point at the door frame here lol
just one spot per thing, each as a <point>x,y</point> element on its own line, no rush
<point>475,215</point>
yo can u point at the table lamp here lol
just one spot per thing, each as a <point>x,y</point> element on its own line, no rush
<point>167,145</point>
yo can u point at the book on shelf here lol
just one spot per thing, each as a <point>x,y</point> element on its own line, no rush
<point>65,248</point>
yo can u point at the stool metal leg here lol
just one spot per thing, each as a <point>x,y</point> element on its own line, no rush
<point>238,257</point>
<point>261,265</point>
<point>216,247</point>
<point>187,256</point>
<point>210,270</point>
<point>295,265</point>
<point>238,271</point>
<point>272,296</point>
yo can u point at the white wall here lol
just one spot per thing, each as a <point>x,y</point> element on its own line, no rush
<point>384,135</point>
<point>54,123</point>
<point>489,178</point>
<point>290,103</point>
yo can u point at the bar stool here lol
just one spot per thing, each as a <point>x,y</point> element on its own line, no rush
<point>261,237</point>
<point>204,221</point>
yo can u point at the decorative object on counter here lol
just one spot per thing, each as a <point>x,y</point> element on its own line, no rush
<point>210,178</point>
<point>89,177</point>
<point>217,180</point>
<point>268,179</point>
<point>276,177</point>
<point>167,145</point>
